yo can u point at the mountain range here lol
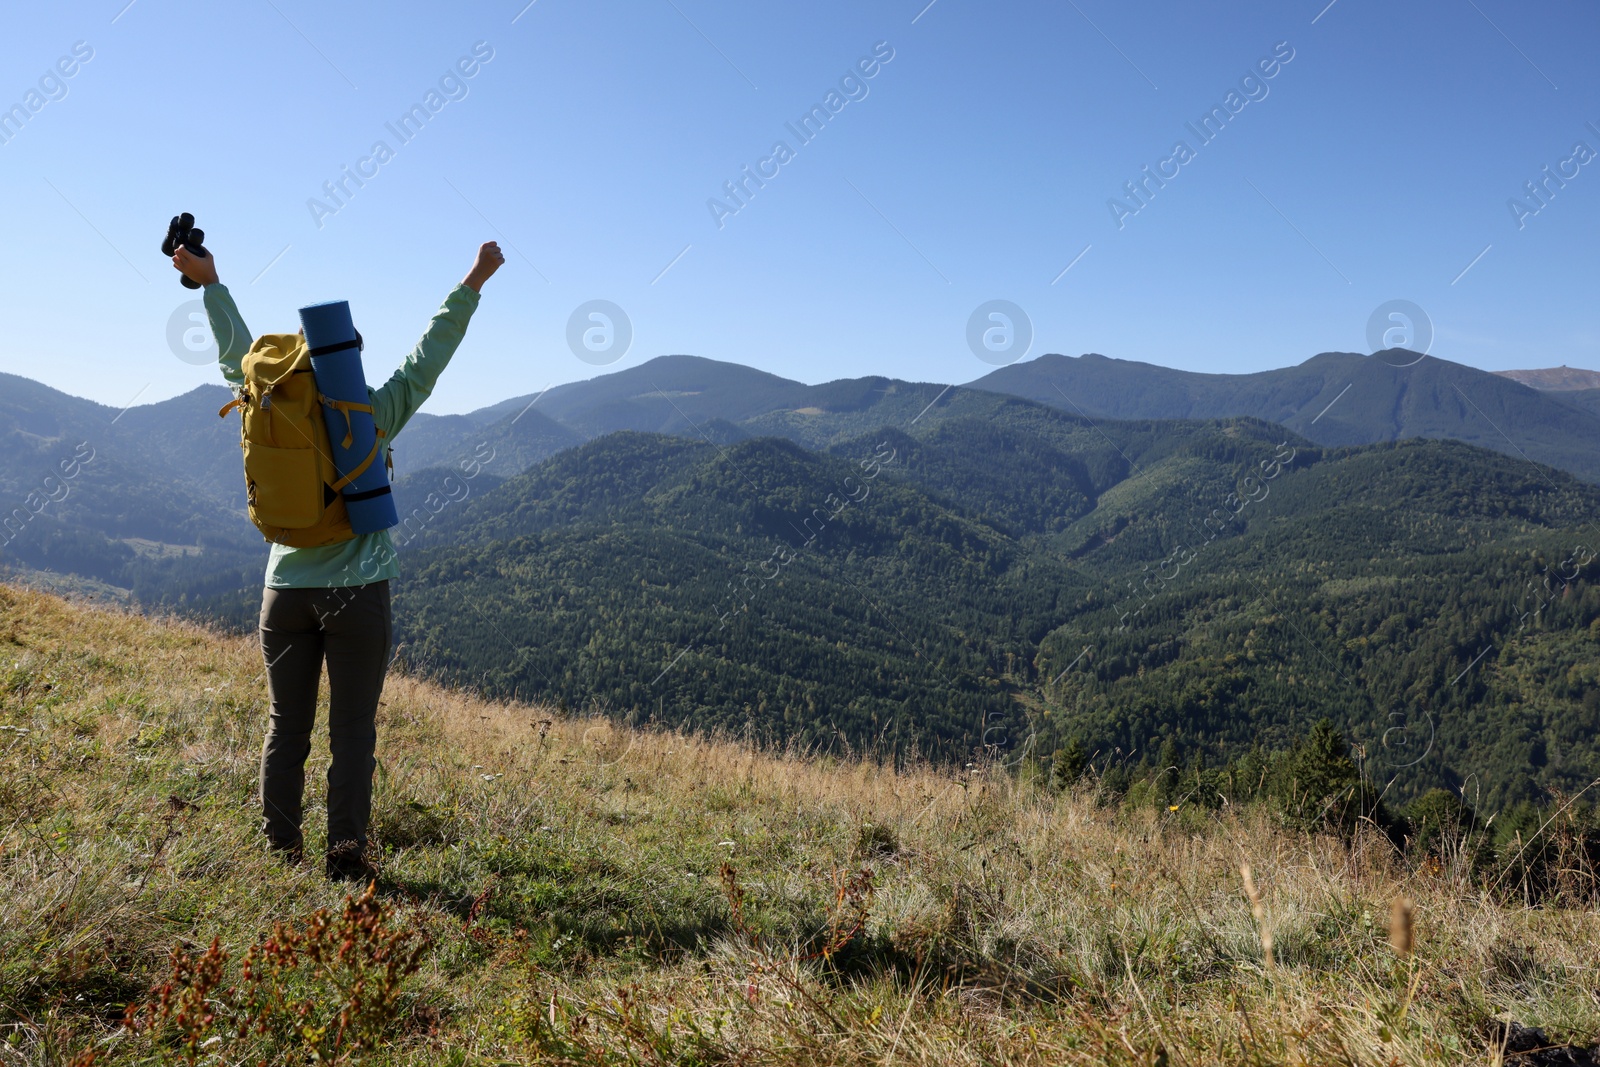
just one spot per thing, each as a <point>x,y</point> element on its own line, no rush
<point>1336,398</point>
<point>1333,398</point>
<point>1069,551</point>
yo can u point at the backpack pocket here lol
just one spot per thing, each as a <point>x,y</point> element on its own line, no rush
<point>285,485</point>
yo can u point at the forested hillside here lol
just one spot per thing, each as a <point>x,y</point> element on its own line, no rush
<point>1437,603</point>
<point>764,587</point>
<point>1011,578</point>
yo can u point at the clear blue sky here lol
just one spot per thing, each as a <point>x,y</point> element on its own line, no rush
<point>977,166</point>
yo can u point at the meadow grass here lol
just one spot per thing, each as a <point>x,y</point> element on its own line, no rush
<point>584,893</point>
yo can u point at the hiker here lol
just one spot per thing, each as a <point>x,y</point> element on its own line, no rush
<point>331,602</point>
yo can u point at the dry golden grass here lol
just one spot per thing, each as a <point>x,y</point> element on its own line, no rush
<point>574,881</point>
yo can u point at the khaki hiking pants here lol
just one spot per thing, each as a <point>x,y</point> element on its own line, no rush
<point>350,629</point>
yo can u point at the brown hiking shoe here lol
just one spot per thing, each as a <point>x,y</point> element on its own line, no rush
<point>347,862</point>
<point>292,854</point>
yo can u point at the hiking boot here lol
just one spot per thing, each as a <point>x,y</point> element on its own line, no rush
<point>347,862</point>
<point>292,855</point>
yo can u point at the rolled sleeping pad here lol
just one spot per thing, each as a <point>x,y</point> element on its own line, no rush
<point>336,364</point>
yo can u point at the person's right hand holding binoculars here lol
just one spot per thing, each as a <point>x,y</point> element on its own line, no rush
<point>203,271</point>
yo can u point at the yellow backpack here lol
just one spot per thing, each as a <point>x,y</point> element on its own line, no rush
<point>294,488</point>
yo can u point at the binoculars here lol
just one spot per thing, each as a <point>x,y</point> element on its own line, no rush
<point>181,233</point>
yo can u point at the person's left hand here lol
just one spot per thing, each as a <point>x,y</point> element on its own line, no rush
<point>489,260</point>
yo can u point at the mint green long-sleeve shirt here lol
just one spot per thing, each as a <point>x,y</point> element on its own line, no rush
<point>369,557</point>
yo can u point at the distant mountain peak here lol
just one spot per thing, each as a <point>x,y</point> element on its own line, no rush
<point>681,359</point>
<point>1555,379</point>
<point>682,362</point>
<point>1336,398</point>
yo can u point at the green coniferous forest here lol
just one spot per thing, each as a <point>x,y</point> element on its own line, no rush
<point>1016,580</point>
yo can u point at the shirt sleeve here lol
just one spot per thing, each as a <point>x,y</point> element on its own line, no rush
<point>227,326</point>
<point>399,398</point>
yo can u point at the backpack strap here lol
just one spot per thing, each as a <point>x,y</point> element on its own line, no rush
<point>345,407</point>
<point>377,443</point>
<point>239,401</point>
<point>339,485</point>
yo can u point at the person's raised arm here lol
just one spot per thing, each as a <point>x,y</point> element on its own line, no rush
<point>401,396</point>
<point>227,325</point>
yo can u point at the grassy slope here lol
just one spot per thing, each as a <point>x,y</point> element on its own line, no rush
<point>1008,925</point>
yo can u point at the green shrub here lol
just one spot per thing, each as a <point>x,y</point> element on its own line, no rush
<point>1068,764</point>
